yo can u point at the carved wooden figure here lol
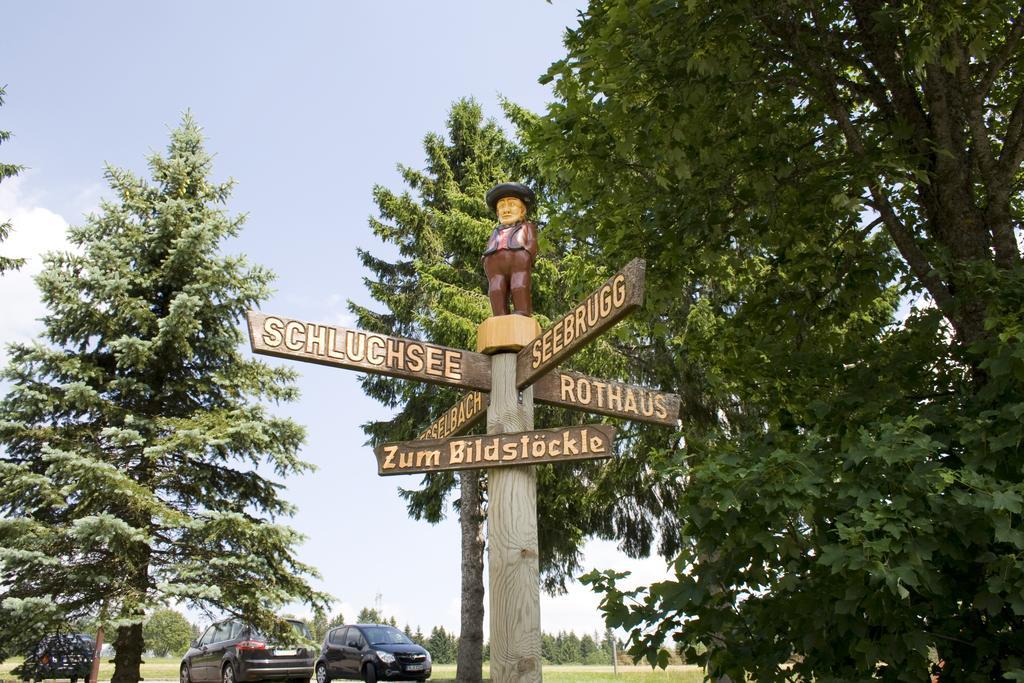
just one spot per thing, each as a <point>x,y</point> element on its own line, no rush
<point>511,250</point>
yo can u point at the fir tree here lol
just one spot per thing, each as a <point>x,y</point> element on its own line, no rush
<point>436,290</point>
<point>135,427</point>
<point>369,615</point>
<point>7,171</point>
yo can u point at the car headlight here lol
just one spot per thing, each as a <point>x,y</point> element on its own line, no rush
<point>386,657</point>
<point>428,658</point>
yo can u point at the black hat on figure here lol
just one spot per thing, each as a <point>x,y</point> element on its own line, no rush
<point>517,190</point>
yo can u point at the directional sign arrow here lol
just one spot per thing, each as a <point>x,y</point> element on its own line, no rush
<point>575,390</point>
<point>498,450</point>
<point>612,301</point>
<point>460,418</point>
<point>368,352</point>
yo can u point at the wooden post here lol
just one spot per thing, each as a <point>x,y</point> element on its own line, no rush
<point>513,563</point>
<point>94,672</point>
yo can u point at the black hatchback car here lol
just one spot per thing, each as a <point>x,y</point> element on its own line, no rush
<point>231,651</point>
<point>371,652</point>
<point>67,655</point>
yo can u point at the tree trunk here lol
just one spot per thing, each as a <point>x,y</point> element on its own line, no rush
<point>128,654</point>
<point>469,668</point>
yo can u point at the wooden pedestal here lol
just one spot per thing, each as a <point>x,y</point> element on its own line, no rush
<point>505,333</point>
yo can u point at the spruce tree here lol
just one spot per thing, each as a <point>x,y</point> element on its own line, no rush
<point>135,427</point>
<point>7,171</point>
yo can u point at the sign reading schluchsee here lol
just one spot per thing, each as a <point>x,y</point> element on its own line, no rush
<point>274,335</point>
<point>612,301</point>
<point>474,452</point>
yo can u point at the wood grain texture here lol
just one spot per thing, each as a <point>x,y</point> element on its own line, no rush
<point>367,352</point>
<point>513,565</point>
<point>505,333</point>
<point>621,294</point>
<point>576,390</point>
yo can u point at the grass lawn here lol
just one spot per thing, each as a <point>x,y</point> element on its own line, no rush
<point>166,669</point>
<point>571,673</point>
<point>155,669</point>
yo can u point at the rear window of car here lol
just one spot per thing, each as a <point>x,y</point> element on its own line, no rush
<point>338,636</point>
<point>298,627</point>
<point>301,629</point>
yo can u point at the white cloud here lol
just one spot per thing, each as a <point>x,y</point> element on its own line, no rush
<point>35,230</point>
<point>577,610</point>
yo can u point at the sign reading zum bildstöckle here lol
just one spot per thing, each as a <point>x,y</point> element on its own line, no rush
<point>517,448</point>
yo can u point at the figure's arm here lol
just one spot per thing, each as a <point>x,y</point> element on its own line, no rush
<point>529,241</point>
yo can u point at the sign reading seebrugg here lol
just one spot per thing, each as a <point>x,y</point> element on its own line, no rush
<point>474,452</point>
<point>366,351</point>
<point>612,301</point>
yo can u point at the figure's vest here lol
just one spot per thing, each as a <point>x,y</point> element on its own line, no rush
<point>504,237</point>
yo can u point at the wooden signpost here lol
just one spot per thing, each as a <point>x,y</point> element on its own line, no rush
<point>518,369</point>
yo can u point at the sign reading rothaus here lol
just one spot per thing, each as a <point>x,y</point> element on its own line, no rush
<point>612,301</point>
<point>359,350</point>
<point>470,410</point>
<point>575,390</point>
<point>474,452</point>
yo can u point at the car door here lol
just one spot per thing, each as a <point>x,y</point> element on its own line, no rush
<point>199,663</point>
<point>333,654</point>
<point>221,640</point>
<point>352,652</point>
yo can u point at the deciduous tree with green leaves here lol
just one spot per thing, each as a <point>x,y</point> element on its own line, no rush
<point>135,427</point>
<point>167,633</point>
<point>829,198</point>
<point>7,171</point>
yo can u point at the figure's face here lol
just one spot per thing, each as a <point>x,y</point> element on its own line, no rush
<point>510,210</point>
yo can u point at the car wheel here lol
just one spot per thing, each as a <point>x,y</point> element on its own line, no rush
<point>228,674</point>
<point>370,673</point>
<point>184,676</point>
<point>321,673</point>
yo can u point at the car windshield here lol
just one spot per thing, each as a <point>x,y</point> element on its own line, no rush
<point>384,635</point>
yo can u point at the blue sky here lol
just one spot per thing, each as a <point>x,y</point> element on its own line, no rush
<point>307,105</point>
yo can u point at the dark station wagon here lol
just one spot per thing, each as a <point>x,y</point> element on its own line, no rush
<point>371,652</point>
<point>67,655</point>
<point>231,651</point>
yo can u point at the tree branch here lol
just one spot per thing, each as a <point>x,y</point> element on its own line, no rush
<point>911,252</point>
<point>999,61</point>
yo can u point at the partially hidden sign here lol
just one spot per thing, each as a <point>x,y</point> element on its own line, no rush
<point>274,335</point>
<point>569,390</point>
<point>460,418</point>
<point>612,301</point>
<point>475,452</point>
